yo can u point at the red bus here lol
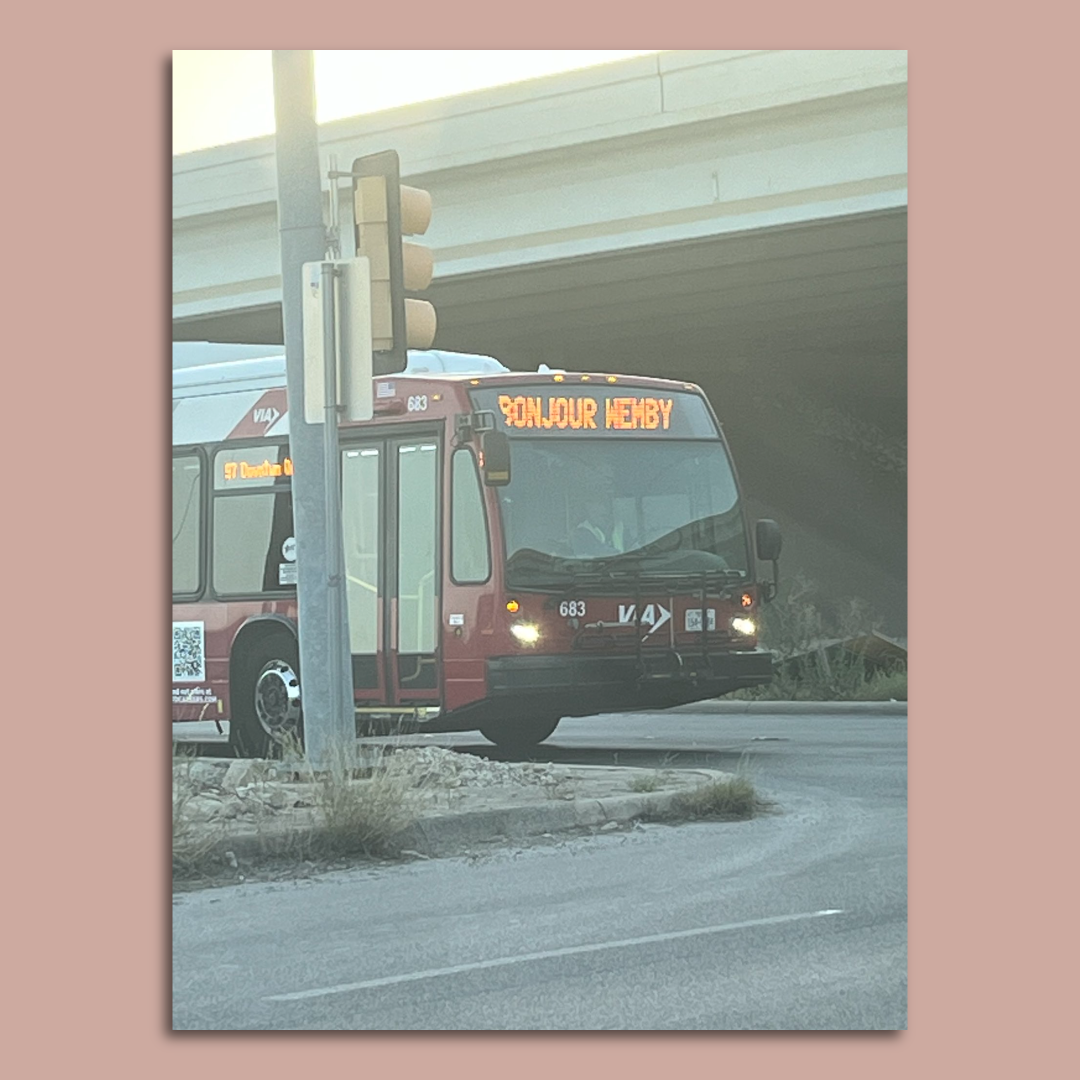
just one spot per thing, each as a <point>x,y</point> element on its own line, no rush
<point>518,548</point>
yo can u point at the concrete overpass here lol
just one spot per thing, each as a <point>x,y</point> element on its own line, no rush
<point>737,218</point>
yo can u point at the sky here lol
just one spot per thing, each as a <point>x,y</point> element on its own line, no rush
<point>225,96</point>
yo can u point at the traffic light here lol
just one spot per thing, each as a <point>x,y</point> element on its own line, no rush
<point>384,211</point>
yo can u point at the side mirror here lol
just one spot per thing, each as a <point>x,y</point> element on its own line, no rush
<point>495,458</point>
<point>768,540</point>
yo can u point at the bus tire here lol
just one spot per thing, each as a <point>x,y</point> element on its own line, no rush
<point>520,734</point>
<point>267,712</point>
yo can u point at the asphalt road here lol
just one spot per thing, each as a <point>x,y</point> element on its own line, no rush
<point>796,920</point>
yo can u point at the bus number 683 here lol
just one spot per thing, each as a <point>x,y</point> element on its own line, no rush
<point>572,608</point>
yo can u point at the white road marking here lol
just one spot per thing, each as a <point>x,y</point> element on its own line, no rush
<point>525,958</point>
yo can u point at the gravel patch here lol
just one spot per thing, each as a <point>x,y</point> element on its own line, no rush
<point>206,790</point>
<point>432,765</point>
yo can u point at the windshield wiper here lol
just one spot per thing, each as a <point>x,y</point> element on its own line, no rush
<point>631,566</point>
<point>529,568</point>
<point>539,567</point>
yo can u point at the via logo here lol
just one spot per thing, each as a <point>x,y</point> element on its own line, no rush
<point>654,615</point>
<point>266,415</point>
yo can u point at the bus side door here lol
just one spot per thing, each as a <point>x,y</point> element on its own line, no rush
<point>414,601</point>
<point>391,528</point>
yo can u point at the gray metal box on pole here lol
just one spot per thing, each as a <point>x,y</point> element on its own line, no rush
<point>352,304</point>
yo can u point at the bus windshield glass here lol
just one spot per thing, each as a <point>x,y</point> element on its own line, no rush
<point>608,509</point>
<point>610,481</point>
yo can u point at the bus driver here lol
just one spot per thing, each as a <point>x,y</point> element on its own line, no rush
<point>595,534</point>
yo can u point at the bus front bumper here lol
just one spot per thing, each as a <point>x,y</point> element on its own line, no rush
<point>583,685</point>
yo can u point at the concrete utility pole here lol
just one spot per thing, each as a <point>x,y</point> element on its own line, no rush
<point>325,661</point>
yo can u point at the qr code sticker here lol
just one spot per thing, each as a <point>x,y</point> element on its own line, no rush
<point>188,652</point>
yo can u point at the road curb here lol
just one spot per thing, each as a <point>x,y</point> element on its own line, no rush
<point>448,834</point>
<point>789,708</point>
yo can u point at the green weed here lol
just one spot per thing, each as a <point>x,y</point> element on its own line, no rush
<point>796,629</point>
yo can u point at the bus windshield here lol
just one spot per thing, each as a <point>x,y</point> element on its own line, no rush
<point>576,509</point>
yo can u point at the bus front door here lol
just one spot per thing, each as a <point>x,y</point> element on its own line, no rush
<point>390,523</point>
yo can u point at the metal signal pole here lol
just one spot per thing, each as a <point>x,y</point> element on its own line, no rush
<point>325,660</point>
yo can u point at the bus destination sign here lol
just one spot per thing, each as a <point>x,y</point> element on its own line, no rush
<point>246,470</point>
<point>599,412</point>
<point>585,413</point>
<point>247,467</point>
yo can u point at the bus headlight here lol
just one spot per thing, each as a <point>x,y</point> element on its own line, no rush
<point>746,627</point>
<point>526,633</point>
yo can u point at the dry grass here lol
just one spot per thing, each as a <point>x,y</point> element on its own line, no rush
<point>192,843</point>
<point>728,799</point>
<point>360,807</point>
<point>363,807</point>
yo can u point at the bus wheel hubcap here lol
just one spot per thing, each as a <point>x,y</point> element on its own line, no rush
<point>277,698</point>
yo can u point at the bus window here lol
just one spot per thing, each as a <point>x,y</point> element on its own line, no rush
<point>417,551</point>
<point>254,546</point>
<point>470,555</point>
<point>186,524</point>
<point>362,531</point>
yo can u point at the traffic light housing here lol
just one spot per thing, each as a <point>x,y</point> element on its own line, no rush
<point>384,211</point>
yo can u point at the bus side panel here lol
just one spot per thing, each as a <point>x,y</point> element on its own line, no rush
<point>203,636</point>
<point>467,634</point>
<point>466,682</point>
